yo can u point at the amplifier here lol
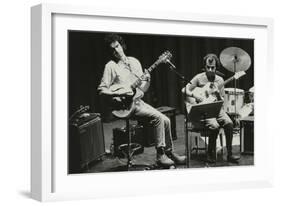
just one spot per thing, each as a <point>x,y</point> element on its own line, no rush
<point>247,135</point>
<point>86,144</point>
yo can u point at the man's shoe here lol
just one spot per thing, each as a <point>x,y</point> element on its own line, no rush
<point>162,159</point>
<point>210,159</point>
<point>233,158</point>
<point>211,156</point>
<point>180,160</point>
<point>165,161</point>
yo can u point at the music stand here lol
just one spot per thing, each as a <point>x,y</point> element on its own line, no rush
<point>199,112</point>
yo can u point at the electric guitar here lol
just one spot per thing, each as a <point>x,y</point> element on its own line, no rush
<point>210,92</point>
<point>126,106</point>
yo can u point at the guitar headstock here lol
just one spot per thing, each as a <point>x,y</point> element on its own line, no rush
<point>237,75</point>
<point>166,56</point>
<point>163,58</point>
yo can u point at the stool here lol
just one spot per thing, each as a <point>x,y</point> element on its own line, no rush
<point>129,149</point>
<point>120,137</point>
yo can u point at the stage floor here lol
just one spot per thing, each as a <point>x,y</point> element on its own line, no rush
<point>109,163</point>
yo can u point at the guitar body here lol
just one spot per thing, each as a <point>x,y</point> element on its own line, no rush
<point>124,112</point>
<point>208,93</point>
<point>126,106</point>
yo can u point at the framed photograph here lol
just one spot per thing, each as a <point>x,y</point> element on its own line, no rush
<point>138,102</point>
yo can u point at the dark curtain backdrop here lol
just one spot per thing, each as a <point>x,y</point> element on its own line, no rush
<point>87,57</point>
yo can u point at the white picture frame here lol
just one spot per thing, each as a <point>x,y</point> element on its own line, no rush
<point>49,179</point>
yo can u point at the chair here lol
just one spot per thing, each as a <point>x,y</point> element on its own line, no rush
<point>195,116</point>
<point>200,131</point>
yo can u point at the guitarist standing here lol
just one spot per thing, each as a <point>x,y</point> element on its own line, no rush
<point>209,78</point>
<point>120,73</point>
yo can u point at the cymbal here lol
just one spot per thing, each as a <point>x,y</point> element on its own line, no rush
<point>235,59</point>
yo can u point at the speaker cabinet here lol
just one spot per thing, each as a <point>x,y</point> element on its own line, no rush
<point>86,144</point>
<point>247,135</point>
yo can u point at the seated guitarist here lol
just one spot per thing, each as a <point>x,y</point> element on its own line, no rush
<point>121,70</point>
<point>211,63</point>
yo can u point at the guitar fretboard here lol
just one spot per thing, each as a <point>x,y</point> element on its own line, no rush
<point>149,70</point>
<point>230,79</point>
<point>225,82</point>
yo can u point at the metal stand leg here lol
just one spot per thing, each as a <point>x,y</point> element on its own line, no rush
<point>129,152</point>
<point>187,143</point>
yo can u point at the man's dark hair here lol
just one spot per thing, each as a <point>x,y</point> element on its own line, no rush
<point>110,38</point>
<point>214,57</point>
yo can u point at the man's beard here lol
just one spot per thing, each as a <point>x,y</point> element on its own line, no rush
<point>211,76</point>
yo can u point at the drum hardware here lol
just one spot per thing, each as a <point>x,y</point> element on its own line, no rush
<point>233,101</point>
<point>252,89</point>
<point>251,94</point>
<point>246,110</point>
<point>249,97</point>
<point>235,59</point>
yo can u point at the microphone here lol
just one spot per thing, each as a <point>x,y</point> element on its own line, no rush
<point>171,64</point>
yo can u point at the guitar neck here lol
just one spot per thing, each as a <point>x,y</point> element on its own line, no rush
<point>149,70</point>
<point>153,66</point>
<point>226,82</point>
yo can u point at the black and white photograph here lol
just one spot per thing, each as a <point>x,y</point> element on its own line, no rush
<point>142,102</point>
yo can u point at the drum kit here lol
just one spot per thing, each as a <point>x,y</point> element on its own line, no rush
<point>235,60</point>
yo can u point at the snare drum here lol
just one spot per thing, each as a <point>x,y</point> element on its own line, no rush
<point>229,100</point>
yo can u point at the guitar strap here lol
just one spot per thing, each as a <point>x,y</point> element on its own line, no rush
<point>128,66</point>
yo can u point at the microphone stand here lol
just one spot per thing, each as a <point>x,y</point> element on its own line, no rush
<point>187,140</point>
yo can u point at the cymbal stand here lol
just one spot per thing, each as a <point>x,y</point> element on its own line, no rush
<point>235,60</point>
